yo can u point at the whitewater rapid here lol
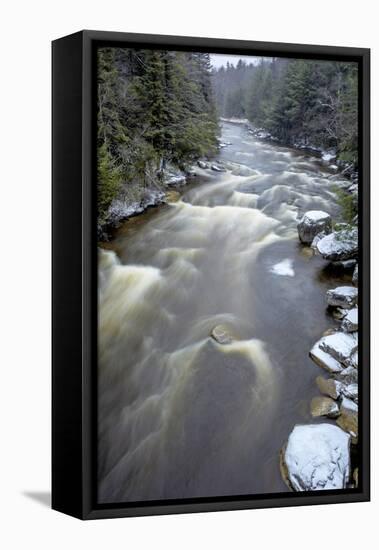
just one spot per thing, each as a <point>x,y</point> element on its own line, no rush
<point>180,415</point>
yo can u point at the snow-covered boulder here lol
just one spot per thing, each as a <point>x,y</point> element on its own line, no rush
<point>340,245</point>
<point>341,346</point>
<point>350,321</point>
<point>313,223</point>
<point>316,457</point>
<point>354,358</point>
<point>324,359</point>
<point>355,276</point>
<point>172,178</point>
<point>348,406</point>
<point>342,296</point>
<point>324,406</point>
<point>350,391</point>
<point>349,375</point>
<point>316,240</point>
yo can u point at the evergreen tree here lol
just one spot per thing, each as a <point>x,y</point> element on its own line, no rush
<point>298,101</point>
<point>154,107</point>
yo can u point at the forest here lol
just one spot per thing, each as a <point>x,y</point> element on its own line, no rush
<point>300,102</point>
<point>155,107</point>
<point>228,315</point>
<point>159,111</point>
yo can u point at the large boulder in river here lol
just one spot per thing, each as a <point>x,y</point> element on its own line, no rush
<point>324,359</point>
<point>342,296</point>
<point>341,346</point>
<point>313,223</point>
<point>316,457</point>
<point>340,245</point>
<point>336,351</point>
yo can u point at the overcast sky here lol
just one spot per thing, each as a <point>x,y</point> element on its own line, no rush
<point>220,59</point>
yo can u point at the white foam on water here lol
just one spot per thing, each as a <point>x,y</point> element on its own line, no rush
<point>283,268</point>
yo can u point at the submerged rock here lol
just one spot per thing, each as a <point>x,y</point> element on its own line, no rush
<point>316,457</point>
<point>221,334</point>
<point>340,245</point>
<point>350,321</point>
<point>342,296</point>
<point>313,223</point>
<point>324,406</point>
<point>329,387</point>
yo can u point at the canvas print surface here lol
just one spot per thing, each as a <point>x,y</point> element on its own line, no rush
<point>227,215</point>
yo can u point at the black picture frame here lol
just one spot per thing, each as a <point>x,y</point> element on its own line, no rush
<point>74,273</point>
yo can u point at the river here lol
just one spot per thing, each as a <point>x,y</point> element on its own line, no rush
<point>179,414</point>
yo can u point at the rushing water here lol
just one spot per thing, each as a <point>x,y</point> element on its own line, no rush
<point>180,415</point>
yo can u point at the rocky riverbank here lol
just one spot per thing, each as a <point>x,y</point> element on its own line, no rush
<point>160,192</point>
<point>321,456</point>
<point>328,156</point>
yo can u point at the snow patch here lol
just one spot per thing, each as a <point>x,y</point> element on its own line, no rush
<point>316,215</point>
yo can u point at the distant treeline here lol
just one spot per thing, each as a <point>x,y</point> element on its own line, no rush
<point>300,102</point>
<point>154,107</point>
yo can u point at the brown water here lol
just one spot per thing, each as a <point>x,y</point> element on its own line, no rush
<point>181,416</point>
